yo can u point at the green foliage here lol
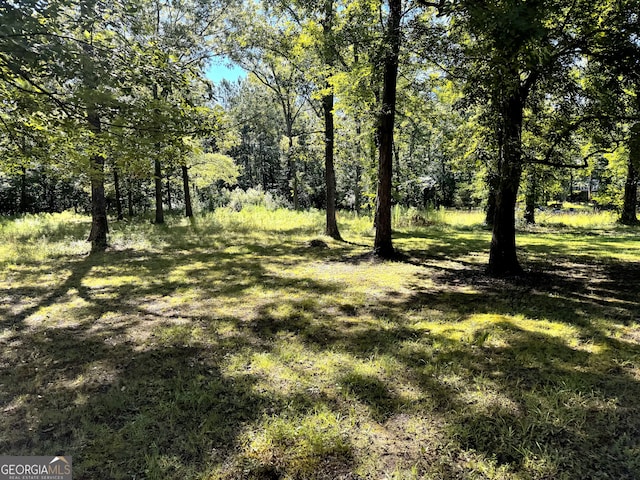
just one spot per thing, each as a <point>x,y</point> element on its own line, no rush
<point>209,168</point>
<point>239,199</point>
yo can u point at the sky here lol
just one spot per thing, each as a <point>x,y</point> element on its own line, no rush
<point>221,70</point>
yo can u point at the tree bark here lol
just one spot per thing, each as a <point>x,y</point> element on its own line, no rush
<point>169,191</point>
<point>157,167</point>
<point>358,170</point>
<point>383,246</point>
<point>99,225</point>
<point>357,194</point>
<point>329,134</point>
<point>503,259</point>
<point>330,173</point>
<point>157,175</point>
<point>188,210</point>
<point>116,186</point>
<point>22,208</point>
<point>628,215</point>
<point>130,197</point>
<point>530,198</point>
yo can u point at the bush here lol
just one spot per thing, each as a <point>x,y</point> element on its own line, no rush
<point>239,199</point>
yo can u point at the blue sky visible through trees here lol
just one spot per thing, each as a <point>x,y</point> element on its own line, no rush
<point>221,69</point>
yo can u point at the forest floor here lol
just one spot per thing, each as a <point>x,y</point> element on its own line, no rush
<point>230,348</point>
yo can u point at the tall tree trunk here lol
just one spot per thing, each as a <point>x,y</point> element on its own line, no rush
<point>327,106</point>
<point>292,174</point>
<point>157,175</point>
<point>116,186</point>
<point>51,201</point>
<point>628,216</point>
<point>157,167</point>
<point>99,226</point>
<point>383,246</point>
<point>188,210</point>
<point>293,168</point>
<point>357,201</point>
<point>168,191</point>
<point>358,166</point>
<point>130,197</point>
<point>492,187</point>
<point>330,173</point>
<point>503,259</point>
<point>23,190</point>
<point>530,197</point>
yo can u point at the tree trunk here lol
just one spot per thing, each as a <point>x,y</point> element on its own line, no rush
<point>169,191</point>
<point>51,200</point>
<point>157,175</point>
<point>157,168</point>
<point>116,186</point>
<point>188,211</point>
<point>358,188</point>
<point>329,134</point>
<point>628,216</point>
<point>502,256</point>
<point>330,173</point>
<point>130,197</point>
<point>383,246</point>
<point>358,166</point>
<point>530,198</point>
<point>99,226</point>
<point>23,190</point>
<point>492,186</point>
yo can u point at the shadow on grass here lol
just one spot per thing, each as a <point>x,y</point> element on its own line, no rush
<point>122,413</point>
<point>169,406</point>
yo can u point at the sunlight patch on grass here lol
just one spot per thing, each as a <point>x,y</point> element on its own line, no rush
<point>180,333</point>
<point>578,219</point>
<point>295,444</point>
<point>72,310</point>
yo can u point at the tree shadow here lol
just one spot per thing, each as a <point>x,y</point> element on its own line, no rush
<point>170,408</point>
<point>110,406</point>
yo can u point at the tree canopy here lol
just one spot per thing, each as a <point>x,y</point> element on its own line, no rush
<point>348,104</point>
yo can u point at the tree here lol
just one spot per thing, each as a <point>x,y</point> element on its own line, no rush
<point>613,84</point>
<point>515,52</point>
<point>301,35</point>
<point>383,246</point>
<point>329,54</point>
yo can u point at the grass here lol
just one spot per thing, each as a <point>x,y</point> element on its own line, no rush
<point>229,348</point>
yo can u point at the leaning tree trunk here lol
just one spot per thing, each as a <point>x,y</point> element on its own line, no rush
<point>157,175</point>
<point>188,210</point>
<point>329,134</point>
<point>503,259</point>
<point>628,216</point>
<point>99,226</point>
<point>383,246</point>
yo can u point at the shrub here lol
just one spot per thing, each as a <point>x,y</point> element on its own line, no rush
<point>239,199</point>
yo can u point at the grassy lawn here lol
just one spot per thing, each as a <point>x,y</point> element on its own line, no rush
<point>232,349</point>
